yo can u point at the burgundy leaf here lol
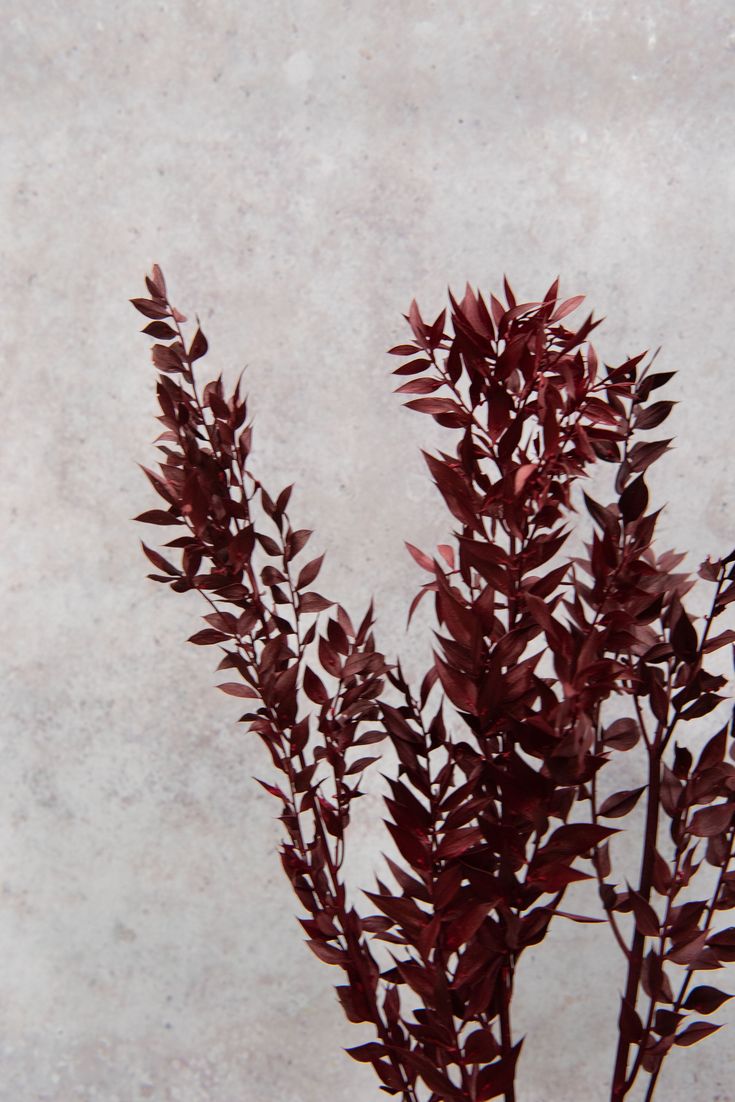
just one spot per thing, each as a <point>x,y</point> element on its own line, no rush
<point>481,1047</point>
<point>236,688</point>
<point>207,636</point>
<point>313,602</point>
<point>584,919</point>
<point>723,944</point>
<point>653,382</point>
<point>711,820</point>
<point>574,839</point>
<point>314,688</point>
<point>297,541</point>
<point>623,734</point>
<point>198,347</point>
<point>630,1023</point>
<point>718,641</point>
<point>705,1000</point>
<point>567,307</point>
<point>687,950</point>
<point>460,691</point>
<point>662,878</point>
<point>419,556</point>
<point>634,500</point>
<point>697,1031</point>
<point>161,330</point>
<point>420,386</point>
<point>702,706</point>
<point>158,280</point>
<point>159,562</point>
<point>151,309</point>
<point>365,1054</point>
<point>439,406</point>
<point>684,639</point>
<point>330,954</point>
<point>713,752</point>
<point>495,1079</point>
<point>620,803</point>
<point>158,516</point>
<point>652,416</point>
<point>642,455</point>
<point>167,359</point>
<point>412,368</point>
<point>645,917</point>
<point>309,572</point>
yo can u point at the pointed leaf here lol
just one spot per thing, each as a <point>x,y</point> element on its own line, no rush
<point>620,803</point>
<point>314,602</point>
<point>314,688</point>
<point>705,1000</point>
<point>697,1031</point>
<point>309,572</point>
<point>634,499</point>
<point>567,307</point>
<point>159,562</point>
<point>236,688</point>
<point>151,309</point>
<point>710,821</point>
<point>646,918</point>
<point>422,559</point>
<point>161,330</point>
<point>207,637</point>
<point>198,347</point>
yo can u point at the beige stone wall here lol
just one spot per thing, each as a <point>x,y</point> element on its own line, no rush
<point>301,170</point>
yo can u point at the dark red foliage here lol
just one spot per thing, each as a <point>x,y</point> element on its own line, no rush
<point>506,748</point>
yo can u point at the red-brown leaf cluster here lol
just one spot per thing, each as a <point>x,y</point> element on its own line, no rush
<point>505,750</point>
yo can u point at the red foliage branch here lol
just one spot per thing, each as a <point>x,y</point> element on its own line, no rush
<point>496,810</point>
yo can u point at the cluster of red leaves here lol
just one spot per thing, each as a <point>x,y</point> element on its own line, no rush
<point>495,810</point>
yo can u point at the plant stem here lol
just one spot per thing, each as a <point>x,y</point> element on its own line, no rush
<point>635,961</point>
<point>505,1027</point>
<point>688,978</point>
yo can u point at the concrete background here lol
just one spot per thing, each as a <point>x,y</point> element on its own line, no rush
<point>300,170</point>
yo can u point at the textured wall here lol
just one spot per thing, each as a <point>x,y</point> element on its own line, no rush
<point>301,170</point>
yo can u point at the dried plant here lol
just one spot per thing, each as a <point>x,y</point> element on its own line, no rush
<point>549,668</point>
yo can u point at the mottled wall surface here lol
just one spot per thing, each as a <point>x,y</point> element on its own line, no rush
<point>301,170</point>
